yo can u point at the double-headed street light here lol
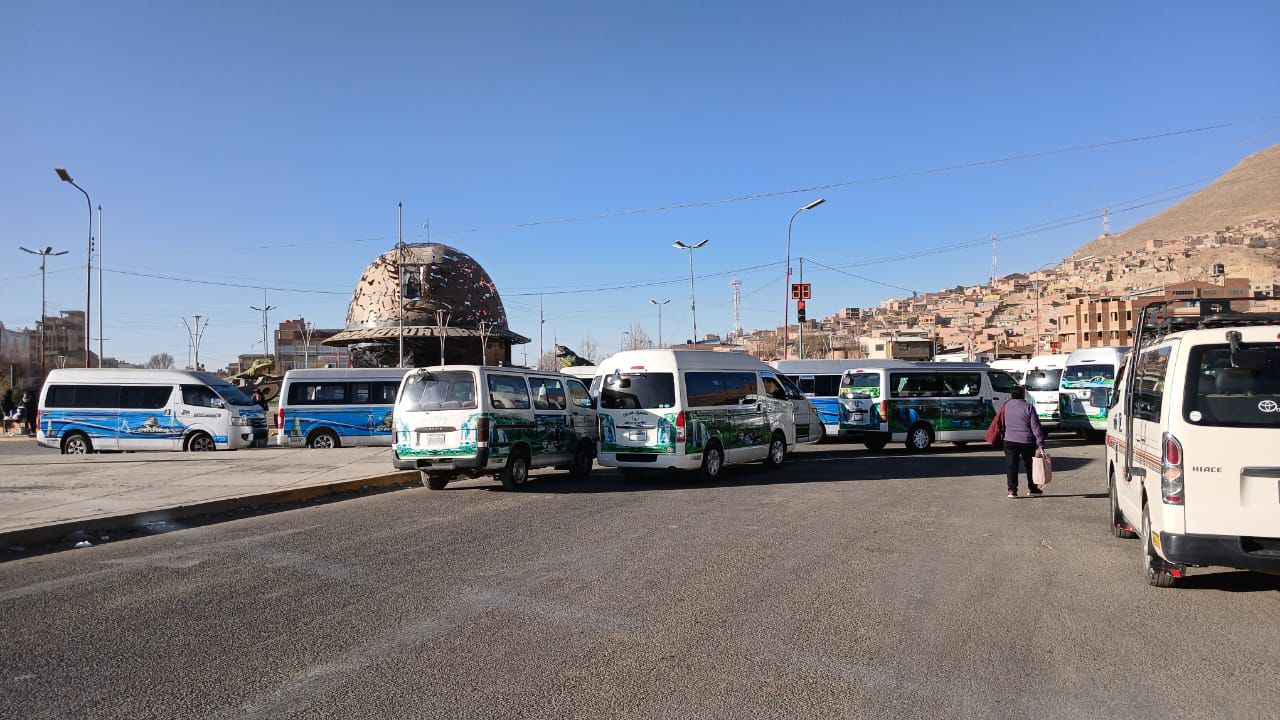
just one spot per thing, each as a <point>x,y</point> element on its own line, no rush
<point>693,300</point>
<point>786,312</point>
<point>660,303</point>
<point>88,271</point>
<point>45,253</point>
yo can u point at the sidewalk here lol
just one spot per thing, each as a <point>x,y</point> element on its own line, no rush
<point>44,496</point>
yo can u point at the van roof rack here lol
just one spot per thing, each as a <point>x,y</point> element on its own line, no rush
<point>1164,317</point>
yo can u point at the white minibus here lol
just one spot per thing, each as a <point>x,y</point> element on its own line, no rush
<point>1015,367</point>
<point>106,409</point>
<point>819,380</point>
<point>698,410</point>
<point>330,407</point>
<point>1085,391</point>
<point>474,420</point>
<point>1044,375</point>
<point>920,403</point>
<point>1192,465</point>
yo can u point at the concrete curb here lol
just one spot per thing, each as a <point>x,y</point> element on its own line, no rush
<point>47,533</point>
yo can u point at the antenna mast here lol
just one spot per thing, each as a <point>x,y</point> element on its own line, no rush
<point>736,284</point>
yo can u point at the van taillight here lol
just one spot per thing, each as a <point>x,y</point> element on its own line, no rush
<point>482,432</point>
<point>280,418</point>
<point>1171,485</point>
<point>680,427</point>
<point>884,410</point>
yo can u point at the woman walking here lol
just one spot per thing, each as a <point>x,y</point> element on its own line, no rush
<point>1022,438</point>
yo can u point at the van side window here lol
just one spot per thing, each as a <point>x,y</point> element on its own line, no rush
<point>705,389</point>
<point>198,395</point>
<point>360,393</point>
<point>909,385</point>
<point>773,388</point>
<point>1148,390</point>
<point>1002,382</point>
<point>318,393</point>
<point>741,388</point>
<point>793,391</point>
<point>578,394</point>
<point>962,384</point>
<point>134,397</point>
<point>82,396</point>
<point>508,392</point>
<point>548,394</point>
<point>384,393</point>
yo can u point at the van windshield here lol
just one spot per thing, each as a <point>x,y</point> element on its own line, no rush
<point>635,391</point>
<point>1246,395</point>
<point>1043,379</point>
<point>860,385</point>
<point>232,395</point>
<point>1089,376</point>
<point>442,390</point>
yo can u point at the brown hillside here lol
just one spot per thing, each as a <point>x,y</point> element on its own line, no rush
<point>1247,191</point>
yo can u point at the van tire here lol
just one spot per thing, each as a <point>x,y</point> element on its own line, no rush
<point>1155,568</point>
<point>583,458</point>
<point>435,481</point>
<point>1119,527</point>
<point>515,474</point>
<point>200,441</point>
<point>919,437</point>
<point>875,445</point>
<point>712,461</point>
<point>323,439</point>
<point>76,443</point>
<point>777,450</point>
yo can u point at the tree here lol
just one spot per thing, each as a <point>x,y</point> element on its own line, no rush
<point>637,338</point>
<point>160,361</point>
<point>589,348</point>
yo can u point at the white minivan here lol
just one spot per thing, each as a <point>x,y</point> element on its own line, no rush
<point>1085,393</point>
<point>325,408</point>
<point>88,410</point>
<point>1193,468</point>
<point>473,420</point>
<point>1043,381</point>
<point>698,410</point>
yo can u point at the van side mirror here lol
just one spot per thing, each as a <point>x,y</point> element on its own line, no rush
<point>217,403</point>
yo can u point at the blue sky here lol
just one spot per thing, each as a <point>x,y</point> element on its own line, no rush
<point>211,133</point>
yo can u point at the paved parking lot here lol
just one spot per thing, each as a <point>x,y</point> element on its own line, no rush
<point>848,584</point>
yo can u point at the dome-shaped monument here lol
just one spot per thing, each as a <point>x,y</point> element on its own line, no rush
<point>449,302</point>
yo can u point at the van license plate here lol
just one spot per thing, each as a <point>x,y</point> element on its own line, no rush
<point>435,439</point>
<point>859,417</point>
<point>638,435</point>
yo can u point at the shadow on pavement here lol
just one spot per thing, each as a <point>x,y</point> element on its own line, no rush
<point>1231,581</point>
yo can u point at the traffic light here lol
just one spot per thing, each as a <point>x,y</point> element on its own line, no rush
<point>800,311</point>
<point>800,291</point>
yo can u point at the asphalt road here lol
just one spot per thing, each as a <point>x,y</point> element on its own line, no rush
<point>846,584</point>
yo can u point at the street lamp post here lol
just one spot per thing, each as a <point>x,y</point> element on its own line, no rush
<point>88,271</point>
<point>786,312</point>
<point>660,303</point>
<point>693,300</point>
<point>622,341</point>
<point>101,286</point>
<point>45,253</point>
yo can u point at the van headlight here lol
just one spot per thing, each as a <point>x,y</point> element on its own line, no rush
<point>241,421</point>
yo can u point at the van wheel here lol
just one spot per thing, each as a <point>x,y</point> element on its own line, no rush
<point>875,445</point>
<point>201,442</point>
<point>582,460</point>
<point>777,450</point>
<point>712,461</point>
<point>516,473</point>
<point>919,437</point>
<point>435,481</point>
<point>77,444</point>
<point>1119,528</point>
<point>1156,569</point>
<point>323,440</point>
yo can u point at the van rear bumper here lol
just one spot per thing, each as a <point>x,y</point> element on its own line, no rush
<point>442,464</point>
<point>1242,553</point>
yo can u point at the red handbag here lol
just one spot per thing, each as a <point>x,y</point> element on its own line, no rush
<point>995,432</point>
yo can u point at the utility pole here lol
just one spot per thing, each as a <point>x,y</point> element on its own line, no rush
<point>266,348</point>
<point>101,335</point>
<point>45,253</point>
<point>485,325</point>
<point>442,322</point>
<point>193,336</point>
<point>994,265</point>
<point>306,329</point>
<point>400,279</point>
<point>542,322</point>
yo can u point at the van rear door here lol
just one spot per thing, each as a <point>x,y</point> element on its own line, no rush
<point>1229,428</point>
<point>638,413</point>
